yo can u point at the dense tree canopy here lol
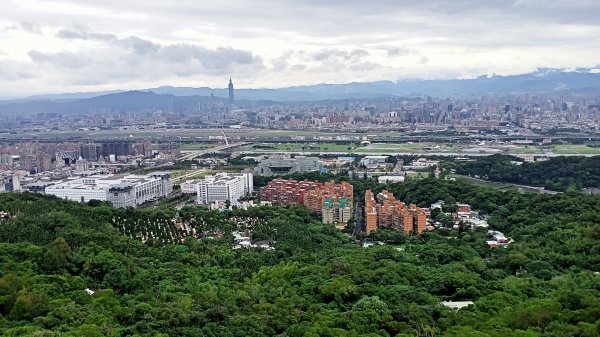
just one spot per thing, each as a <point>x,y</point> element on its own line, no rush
<point>151,279</point>
<point>557,173</point>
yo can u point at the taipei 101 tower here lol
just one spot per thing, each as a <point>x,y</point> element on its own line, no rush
<point>230,86</point>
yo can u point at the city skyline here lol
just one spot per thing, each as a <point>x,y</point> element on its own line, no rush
<point>65,46</point>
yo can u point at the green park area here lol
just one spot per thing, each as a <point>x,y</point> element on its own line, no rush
<point>576,149</point>
<point>305,147</point>
<point>195,146</point>
<point>189,146</point>
<point>409,147</point>
<point>525,149</point>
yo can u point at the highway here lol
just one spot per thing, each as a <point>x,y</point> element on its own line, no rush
<point>366,152</point>
<point>194,154</point>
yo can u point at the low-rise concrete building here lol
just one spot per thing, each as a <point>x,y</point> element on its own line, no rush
<point>222,187</point>
<point>120,190</point>
<point>282,165</point>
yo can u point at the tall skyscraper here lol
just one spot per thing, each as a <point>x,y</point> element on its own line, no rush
<point>230,86</point>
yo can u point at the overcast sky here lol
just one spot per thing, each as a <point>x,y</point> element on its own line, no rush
<point>52,46</point>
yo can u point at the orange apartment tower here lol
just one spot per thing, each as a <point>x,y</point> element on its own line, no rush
<point>370,212</point>
<point>287,191</point>
<point>393,213</point>
<point>421,218</point>
<point>407,222</point>
<point>313,200</point>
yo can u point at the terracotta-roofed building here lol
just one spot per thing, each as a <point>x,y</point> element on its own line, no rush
<point>389,212</point>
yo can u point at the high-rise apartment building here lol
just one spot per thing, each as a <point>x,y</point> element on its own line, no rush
<point>387,212</point>
<point>333,201</point>
<point>224,187</point>
<point>287,191</point>
<point>370,212</point>
<point>89,152</point>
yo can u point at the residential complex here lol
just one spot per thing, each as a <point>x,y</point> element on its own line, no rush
<point>386,211</point>
<point>221,187</point>
<point>287,191</point>
<point>333,201</point>
<point>370,212</point>
<point>282,165</point>
<point>119,190</point>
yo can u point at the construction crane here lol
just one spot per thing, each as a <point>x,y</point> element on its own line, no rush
<point>225,137</point>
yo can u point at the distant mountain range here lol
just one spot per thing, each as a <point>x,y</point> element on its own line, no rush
<point>184,99</point>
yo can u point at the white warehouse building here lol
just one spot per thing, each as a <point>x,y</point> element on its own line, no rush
<point>221,187</point>
<point>120,190</point>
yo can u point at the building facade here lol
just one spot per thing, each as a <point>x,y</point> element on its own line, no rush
<point>120,190</point>
<point>287,191</point>
<point>370,212</point>
<point>333,201</point>
<point>221,187</point>
<point>385,211</point>
<point>282,165</point>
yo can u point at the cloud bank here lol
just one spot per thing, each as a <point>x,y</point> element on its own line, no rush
<point>67,45</point>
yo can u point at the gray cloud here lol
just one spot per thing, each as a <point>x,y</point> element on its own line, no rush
<point>24,26</point>
<point>139,46</point>
<point>354,55</point>
<point>398,51</point>
<point>217,61</point>
<point>31,28</point>
<point>67,60</point>
<point>124,59</point>
<point>84,34</point>
<point>110,42</point>
<point>16,71</point>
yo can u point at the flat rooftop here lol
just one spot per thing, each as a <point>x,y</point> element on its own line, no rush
<point>101,182</point>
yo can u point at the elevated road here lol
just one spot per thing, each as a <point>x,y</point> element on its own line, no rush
<point>194,154</point>
<point>366,152</point>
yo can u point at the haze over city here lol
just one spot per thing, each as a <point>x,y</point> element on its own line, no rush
<point>67,46</point>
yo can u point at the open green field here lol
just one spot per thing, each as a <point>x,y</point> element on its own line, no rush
<point>199,175</point>
<point>195,146</point>
<point>192,133</point>
<point>575,149</point>
<point>177,174</point>
<point>526,149</point>
<point>310,147</point>
<point>409,147</point>
<point>184,133</point>
<point>189,146</point>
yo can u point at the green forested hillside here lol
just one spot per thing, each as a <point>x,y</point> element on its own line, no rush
<point>558,173</point>
<point>317,281</point>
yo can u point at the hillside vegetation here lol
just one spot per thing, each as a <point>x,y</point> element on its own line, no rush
<point>150,280</point>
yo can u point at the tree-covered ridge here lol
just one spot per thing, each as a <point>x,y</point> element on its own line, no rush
<point>316,282</point>
<point>557,173</point>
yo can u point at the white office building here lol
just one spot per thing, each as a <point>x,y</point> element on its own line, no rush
<point>222,187</point>
<point>189,186</point>
<point>120,190</point>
